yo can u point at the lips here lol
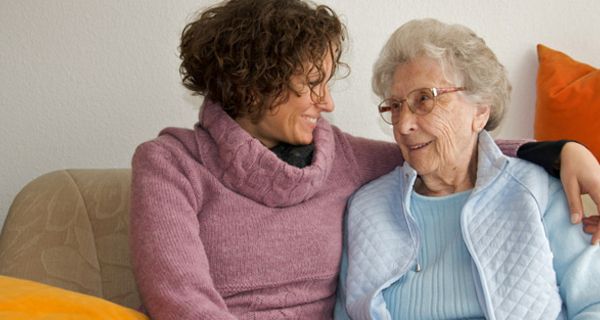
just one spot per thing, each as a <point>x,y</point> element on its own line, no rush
<point>418,146</point>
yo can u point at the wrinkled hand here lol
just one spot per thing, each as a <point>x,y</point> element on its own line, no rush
<point>580,174</point>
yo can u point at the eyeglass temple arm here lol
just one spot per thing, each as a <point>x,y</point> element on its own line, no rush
<point>439,91</point>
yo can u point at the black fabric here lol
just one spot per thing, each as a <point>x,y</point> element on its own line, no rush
<point>297,156</point>
<point>544,153</point>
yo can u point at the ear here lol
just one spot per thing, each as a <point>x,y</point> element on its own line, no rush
<point>482,115</point>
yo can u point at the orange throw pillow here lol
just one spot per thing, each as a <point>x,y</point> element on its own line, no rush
<point>31,300</point>
<point>568,100</point>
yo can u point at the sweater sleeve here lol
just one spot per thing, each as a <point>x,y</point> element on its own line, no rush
<point>575,261</point>
<point>373,158</point>
<point>169,262</point>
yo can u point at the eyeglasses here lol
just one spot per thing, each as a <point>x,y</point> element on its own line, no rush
<point>419,101</point>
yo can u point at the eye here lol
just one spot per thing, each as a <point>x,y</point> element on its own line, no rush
<point>421,101</point>
<point>423,96</point>
<point>419,98</point>
<point>395,105</point>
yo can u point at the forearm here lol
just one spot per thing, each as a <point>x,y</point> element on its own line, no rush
<point>545,154</point>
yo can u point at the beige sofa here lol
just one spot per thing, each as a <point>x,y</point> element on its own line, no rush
<point>69,229</point>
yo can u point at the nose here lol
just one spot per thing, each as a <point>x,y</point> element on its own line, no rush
<point>406,122</point>
<point>323,99</point>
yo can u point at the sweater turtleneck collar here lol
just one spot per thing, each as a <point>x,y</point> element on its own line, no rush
<point>247,167</point>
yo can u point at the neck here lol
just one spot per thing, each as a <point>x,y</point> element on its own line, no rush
<point>452,178</point>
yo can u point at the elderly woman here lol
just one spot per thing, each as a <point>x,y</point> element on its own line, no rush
<point>241,217</point>
<point>460,231</point>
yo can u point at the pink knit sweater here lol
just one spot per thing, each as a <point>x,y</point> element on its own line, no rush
<point>223,229</point>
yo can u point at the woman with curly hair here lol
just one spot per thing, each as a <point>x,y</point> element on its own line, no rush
<point>241,217</point>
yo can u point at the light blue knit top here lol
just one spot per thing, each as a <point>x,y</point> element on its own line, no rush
<point>444,288</point>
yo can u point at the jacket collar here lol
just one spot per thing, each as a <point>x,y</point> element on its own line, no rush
<point>490,162</point>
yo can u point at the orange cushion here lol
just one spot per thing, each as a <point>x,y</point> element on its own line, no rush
<point>568,100</point>
<point>24,299</point>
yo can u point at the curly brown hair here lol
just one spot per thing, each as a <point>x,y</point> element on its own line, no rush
<point>243,53</point>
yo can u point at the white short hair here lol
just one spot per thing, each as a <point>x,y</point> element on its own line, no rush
<point>463,56</point>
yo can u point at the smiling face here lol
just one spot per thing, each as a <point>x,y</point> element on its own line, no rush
<point>295,120</point>
<point>440,144</point>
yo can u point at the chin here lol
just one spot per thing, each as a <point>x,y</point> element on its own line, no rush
<point>305,140</point>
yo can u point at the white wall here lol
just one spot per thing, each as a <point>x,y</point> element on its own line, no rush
<point>83,82</point>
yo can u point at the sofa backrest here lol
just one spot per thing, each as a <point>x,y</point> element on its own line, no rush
<point>69,229</point>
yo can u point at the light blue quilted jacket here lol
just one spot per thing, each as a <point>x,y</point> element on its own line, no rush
<point>529,261</point>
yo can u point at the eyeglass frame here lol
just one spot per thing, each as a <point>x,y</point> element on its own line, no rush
<point>435,92</point>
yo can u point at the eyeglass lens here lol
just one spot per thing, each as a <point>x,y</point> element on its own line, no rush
<point>420,102</point>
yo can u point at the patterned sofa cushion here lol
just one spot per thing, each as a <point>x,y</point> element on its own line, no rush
<point>69,229</point>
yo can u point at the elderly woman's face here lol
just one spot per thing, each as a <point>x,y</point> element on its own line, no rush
<point>444,138</point>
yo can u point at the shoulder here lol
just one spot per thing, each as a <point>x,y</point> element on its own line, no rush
<point>172,144</point>
<point>528,174</point>
<point>171,157</point>
<point>379,190</point>
<point>534,180</point>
